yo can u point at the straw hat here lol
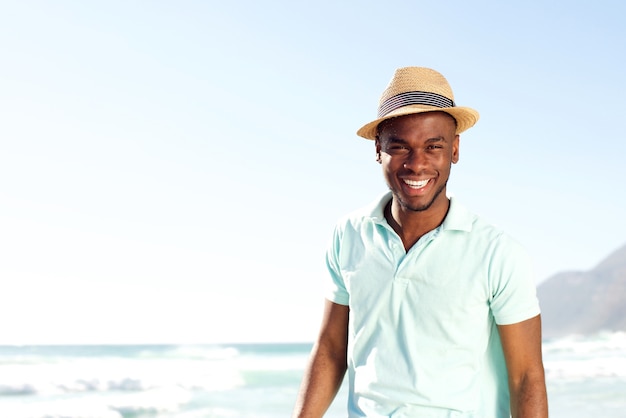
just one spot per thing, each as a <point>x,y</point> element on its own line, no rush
<point>416,90</point>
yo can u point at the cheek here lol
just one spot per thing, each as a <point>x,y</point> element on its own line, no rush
<point>392,163</point>
<point>388,166</point>
<point>385,159</point>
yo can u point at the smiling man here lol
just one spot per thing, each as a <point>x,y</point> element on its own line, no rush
<point>431,310</point>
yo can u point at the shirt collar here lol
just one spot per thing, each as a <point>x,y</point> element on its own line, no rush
<point>457,219</point>
<point>376,210</point>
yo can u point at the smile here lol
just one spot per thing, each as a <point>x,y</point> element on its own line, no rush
<point>416,184</point>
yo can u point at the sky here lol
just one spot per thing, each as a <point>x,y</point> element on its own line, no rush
<point>171,172</point>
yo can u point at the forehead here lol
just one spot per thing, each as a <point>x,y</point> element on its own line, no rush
<point>427,121</point>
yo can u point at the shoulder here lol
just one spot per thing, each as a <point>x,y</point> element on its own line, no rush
<point>371,213</point>
<point>485,237</point>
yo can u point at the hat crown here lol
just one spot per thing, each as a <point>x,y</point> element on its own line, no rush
<point>417,79</point>
<point>415,90</point>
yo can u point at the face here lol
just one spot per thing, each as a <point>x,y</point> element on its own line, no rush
<point>416,153</point>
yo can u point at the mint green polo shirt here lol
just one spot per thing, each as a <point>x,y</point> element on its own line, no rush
<point>423,339</point>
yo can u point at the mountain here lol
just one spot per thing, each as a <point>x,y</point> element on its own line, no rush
<point>586,302</point>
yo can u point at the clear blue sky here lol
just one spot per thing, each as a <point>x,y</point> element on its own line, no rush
<point>172,171</point>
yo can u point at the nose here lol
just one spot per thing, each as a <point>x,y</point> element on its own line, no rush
<point>415,161</point>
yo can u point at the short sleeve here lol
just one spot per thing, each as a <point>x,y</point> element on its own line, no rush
<point>512,280</point>
<point>337,291</point>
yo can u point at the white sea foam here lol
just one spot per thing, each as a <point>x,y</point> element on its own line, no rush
<point>195,352</point>
<point>578,357</point>
<point>604,341</point>
<point>248,381</point>
<point>117,374</point>
<point>152,402</point>
<point>68,409</point>
<point>285,363</point>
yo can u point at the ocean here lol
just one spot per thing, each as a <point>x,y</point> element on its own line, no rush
<point>586,377</point>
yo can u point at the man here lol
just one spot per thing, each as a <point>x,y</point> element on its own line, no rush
<point>432,311</point>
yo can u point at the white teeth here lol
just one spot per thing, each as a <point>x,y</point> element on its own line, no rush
<point>416,184</point>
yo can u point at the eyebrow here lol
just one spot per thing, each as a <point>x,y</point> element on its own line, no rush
<point>436,139</point>
<point>397,140</point>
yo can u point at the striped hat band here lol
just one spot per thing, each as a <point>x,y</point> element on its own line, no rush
<point>413,98</point>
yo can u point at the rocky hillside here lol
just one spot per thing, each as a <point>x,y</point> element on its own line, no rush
<point>586,302</point>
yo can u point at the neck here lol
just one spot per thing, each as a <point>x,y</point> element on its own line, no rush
<point>412,225</point>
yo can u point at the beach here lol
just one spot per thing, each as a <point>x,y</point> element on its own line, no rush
<point>586,377</point>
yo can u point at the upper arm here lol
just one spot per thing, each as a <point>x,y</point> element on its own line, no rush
<point>334,327</point>
<point>521,343</point>
<point>327,365</point>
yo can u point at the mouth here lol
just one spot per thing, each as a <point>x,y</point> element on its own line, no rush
<point>416,184</point>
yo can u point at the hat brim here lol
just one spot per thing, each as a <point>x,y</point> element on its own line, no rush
<point>465,118</point>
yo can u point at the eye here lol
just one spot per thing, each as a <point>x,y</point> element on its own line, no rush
<point>396,149</point>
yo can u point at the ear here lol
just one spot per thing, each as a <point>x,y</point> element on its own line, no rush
<point>455,149</point>
<point>378,157</point>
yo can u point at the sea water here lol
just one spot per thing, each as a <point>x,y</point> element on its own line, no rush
<point>586,377</point>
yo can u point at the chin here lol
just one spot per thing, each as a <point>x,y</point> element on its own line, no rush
<point>419,208</point>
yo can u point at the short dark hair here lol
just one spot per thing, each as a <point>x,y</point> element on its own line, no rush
<point>381,125</point>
